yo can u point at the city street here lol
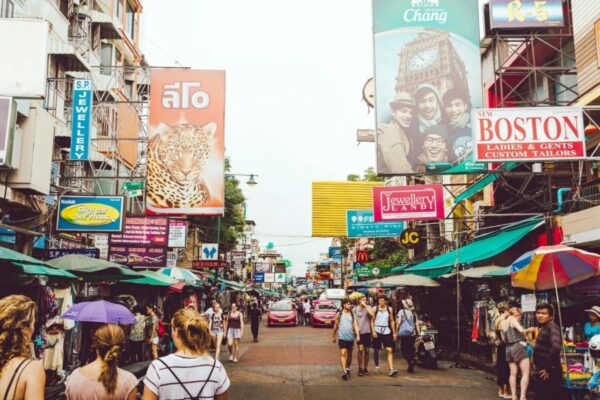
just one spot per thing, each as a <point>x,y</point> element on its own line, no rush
<point>302,363</point>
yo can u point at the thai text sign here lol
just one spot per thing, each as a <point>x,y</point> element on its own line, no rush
<point>90,213</point>
<point>362,224</point>
<point>427,79</point>
<point>135,256</point>
<point>81,119</point>
<point>405,203</point>
<point>528,134</point>
<point>143,231</point>
<point>186,149</point>
<point>209,264</point>
<point>515,14</point>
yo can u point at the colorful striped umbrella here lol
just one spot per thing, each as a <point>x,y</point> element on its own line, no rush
<point>181,274</point>
<point>552,267</point>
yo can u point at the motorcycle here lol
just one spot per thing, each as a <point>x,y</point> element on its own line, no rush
<point>426,352</point>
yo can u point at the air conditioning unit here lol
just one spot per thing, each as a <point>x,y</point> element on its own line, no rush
<point>8,121</point>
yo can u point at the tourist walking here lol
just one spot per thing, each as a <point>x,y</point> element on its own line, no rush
<point>344,331</point>
<point>502,368</point>
<point>363,315</point>
<point>255,317</point>
<point>516,353</point>
<point>234,326</point>
<point>103,379</point>
<point>408,328</point>
<point>136,336</point>
<point>20,376</point>
<point>153,340</point>
<point>383,327</point>
<point>189,373</point>
<point>216,327</point>
<point>546,356</point>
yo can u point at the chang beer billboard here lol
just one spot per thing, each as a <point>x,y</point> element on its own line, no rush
<point>427,80</point>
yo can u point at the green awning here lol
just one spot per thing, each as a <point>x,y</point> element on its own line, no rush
<point>468,166</point>
<point>93,269</point>
<point>482,183</point>
<point>399,268</point>
<point>152,278</point>
<point>39,269</point>
<point>481,249</point>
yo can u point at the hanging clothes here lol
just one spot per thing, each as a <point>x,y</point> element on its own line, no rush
<point>65,298</point>
<point>53,353</point>
<point>475,330</point>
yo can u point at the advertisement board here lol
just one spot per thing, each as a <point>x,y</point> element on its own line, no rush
<point>427,80</point>
<point>528,134</point>
<point>258,277</point>
<point>262,267</point>
<point>57,253</point>
<point>8,119</point>
<point>177,233</point>
<point>143,231</point>
<point>90,213</point>
<point>136,256</point>
<point>186,148</point>
<point>406,203</point>
<point>81,120</point>
<point>362,224</point>
<point>518,14</point>
<point>269,277</point>
<point>209,264</point>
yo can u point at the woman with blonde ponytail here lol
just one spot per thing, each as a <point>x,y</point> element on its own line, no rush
<point>189,373</point>
<point>103,379</point>
<point>20,376</point>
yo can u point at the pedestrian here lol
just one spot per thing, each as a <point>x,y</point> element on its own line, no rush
<point>216,327</point>
<point>546,356</point>
<point>502,368</point>
<point>136,336</point>
<point>344,331</point>
<point>189,373</point>
<point>592,326</point>
<point>103,379</point>
<point>407,327</point>
<point>384,333</point>
<point>363,315</point>
<point>235,330</point>
<point>516,353</point>
<point>154,339</point>
<point>306,310</point>
<point>20,376</point>
<point>255,317</point>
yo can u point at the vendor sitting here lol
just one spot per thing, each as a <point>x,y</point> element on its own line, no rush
<point>592,327</point>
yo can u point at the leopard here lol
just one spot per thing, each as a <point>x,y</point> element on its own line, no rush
<point>177,155</point>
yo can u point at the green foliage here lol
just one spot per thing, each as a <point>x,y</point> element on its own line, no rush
<point>368,176</point>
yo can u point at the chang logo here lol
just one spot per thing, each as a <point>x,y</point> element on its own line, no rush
<point>426,11</point>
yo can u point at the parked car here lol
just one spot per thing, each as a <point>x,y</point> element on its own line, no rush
<point>282,313</point>
<point>324,313</point>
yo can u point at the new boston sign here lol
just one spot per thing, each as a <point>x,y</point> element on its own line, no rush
<point>362,224</point>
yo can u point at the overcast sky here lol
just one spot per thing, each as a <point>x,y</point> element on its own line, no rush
<point>295,72</point>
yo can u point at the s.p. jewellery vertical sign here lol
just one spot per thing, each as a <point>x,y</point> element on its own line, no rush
<point>81,119</point>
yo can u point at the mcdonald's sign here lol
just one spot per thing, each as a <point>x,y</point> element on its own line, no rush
<point>362,256</point>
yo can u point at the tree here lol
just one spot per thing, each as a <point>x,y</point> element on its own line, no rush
<point>369,175</point>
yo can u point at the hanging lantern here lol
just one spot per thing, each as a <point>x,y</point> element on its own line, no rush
<point>590,129</point>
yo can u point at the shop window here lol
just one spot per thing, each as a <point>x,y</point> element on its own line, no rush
<point>130,22</point>
<point>106,50</point>
<point>7,9</point>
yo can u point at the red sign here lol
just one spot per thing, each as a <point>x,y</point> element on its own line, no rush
<point>528,134</point>
<point>209,264</point>
<point>362,256</point>
<point>405,203</point>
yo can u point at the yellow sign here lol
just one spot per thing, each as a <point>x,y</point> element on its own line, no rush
<point>331,200</point>
<point>90,214</point>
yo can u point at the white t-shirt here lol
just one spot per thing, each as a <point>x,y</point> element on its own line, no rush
<point>192,372</point>
<point>306,307</point>
<point>382,321</point>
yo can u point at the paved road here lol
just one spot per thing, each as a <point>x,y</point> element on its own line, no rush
<point>302,363</point>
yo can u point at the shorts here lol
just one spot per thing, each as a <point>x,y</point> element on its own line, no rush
<point>216,333</point>
<point>234,334</point>
<point>155,340</point>
<point>346,344</point>
<point>515,353</point>
<point>365,340</point>
<point>385,340</point>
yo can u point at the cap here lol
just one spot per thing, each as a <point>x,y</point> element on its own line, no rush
<point>439,129</point>
<point>402,99</point>
<point>594,310</point>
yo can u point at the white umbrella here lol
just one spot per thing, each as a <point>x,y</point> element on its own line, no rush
<point>406,280</point>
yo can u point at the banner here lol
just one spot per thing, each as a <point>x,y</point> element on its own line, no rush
<point>134,256</point>
<point>186,150</point>
<point>90,213</point>
<point>362,224</point>
<point>518,14</point>
<point>57,253</point>
<point>81,119</point>
<point>141,231</point>
<point>528,134</point>
<point>427,80</point>
<point>405,203</point>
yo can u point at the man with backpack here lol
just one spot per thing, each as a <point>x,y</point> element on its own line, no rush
<point>384,334</point>
<point>344,332</point>
<point>408,329</point>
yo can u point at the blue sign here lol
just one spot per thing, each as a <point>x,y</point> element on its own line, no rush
<point>90,214</point>
<point>81,120</point>
<point>259,277</point>
<point>361,224</point>
<point>335,253</point>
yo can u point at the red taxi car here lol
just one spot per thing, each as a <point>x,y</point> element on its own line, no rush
<point>324,313</point>
<point>283,314</point>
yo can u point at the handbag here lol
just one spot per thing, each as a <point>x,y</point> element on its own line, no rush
<point>407,327</point>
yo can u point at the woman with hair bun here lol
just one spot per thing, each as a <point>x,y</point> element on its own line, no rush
<point>103,379</point>
<point>20,376</point>
<point>189,373</point>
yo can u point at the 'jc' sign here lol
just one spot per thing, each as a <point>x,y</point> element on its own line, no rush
<point>410,238</point>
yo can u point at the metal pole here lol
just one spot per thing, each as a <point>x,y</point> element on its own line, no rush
<point>218,243</point>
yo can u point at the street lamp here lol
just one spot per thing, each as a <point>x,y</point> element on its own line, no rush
<point>251,181</point>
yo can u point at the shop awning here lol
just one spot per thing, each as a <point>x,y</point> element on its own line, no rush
<point>481,249</point>
<point>399,268</point>
<point>29,265</point>
<point>93,269</point>
<point>482,183</point>
<point>152,278</point>
<point>476,273</point>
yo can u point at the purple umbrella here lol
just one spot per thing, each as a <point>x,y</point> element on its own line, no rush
<point>100,311</point>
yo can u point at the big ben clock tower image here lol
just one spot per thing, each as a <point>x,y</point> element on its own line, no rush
<point>430,59</point>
